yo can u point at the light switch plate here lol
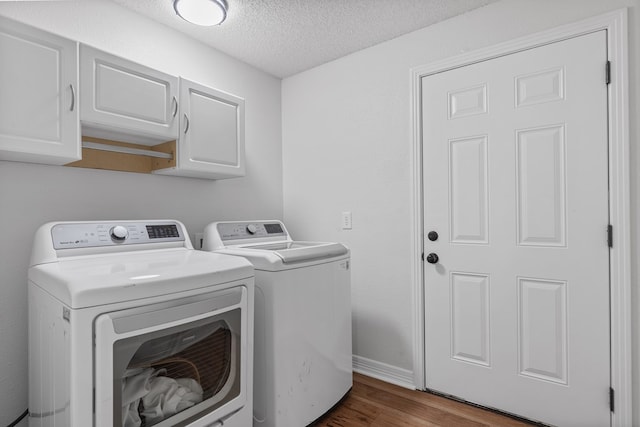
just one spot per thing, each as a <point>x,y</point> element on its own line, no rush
<point>346,220</point>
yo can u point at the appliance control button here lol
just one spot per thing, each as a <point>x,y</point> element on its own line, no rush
<point>119,233</point>
<point>251,228</point>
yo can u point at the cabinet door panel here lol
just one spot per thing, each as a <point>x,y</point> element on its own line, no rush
<point>211,142</point>
<point>121,94</point>
<point>38,104</point>
<point>215,133</point>
<point>119,91</point>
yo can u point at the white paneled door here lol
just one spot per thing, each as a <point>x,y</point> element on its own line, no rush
<point>516,188</point>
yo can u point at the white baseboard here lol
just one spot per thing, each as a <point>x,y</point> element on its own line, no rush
<point>384,372</point>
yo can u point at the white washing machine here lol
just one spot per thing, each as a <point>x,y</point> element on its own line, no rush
<point>303,356</point>
<point>130,326</point>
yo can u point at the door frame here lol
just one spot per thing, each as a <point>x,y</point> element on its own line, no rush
<point>615,23</point>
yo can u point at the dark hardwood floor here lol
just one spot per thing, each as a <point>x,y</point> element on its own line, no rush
<point>372,402</point>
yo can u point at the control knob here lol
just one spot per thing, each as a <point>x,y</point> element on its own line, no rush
<point>119,233</point>
<point>251,229</point>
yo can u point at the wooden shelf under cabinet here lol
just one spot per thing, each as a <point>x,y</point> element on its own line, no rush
<point>100,159</point>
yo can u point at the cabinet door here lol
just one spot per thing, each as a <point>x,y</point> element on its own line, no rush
<point>122,97</point>
<point>211,142</point>
<point>38,96</point>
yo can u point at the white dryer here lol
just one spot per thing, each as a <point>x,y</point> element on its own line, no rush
<point>303,355</point>
<point>129,326</point>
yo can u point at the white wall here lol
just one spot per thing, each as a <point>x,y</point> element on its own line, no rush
<point>33,194</point>
<point>347,139</point>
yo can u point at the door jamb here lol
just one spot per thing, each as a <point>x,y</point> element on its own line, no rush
<point>615,23</point>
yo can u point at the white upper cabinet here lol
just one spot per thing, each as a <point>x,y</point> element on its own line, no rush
<point>211,141</point>
<point>54,91</point>
<point>120,97</point>
<point>38,96</point>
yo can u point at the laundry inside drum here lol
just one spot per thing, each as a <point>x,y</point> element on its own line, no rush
<point>182,373</point>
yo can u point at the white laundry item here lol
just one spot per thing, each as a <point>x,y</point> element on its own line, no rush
<point>130,415</point>
<point>161,396</point>
<point>135,385</point>
<point>168,396</point>
<point>192,397</point>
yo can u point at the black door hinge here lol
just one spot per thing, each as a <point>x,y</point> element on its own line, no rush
<point>608,72</point>
<point>611,399</point>
<point>610,235</point>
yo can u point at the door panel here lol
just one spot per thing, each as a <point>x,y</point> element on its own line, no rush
<point>470,327</point>
<point>212,138</point>
<point>130,97</point>
<point>541,184</point>
<point>542,335</point>
<point>38,89</point>
<point>516,184</point>
<point>468,190</point>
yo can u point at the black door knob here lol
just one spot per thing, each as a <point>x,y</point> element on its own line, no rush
<point>432,258</point>
<point>433,236</point>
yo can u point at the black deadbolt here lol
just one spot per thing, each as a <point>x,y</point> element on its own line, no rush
<point>432,258</point>
<point>433,236</point>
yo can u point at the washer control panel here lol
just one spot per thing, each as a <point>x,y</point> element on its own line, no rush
<point>250,230</point>
<point>85,235</point>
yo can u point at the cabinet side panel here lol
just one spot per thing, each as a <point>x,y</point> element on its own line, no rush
<point>49,358</point>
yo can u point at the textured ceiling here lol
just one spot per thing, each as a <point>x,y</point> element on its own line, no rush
<point>284,37</point>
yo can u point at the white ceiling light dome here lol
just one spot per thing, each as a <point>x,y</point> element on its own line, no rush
<point>202,12</point>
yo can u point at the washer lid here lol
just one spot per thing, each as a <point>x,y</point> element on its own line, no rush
<point>279,256</point>
<point>110,278</point>
<point>291,252</point>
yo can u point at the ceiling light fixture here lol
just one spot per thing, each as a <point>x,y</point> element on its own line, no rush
<point>202,12</point>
